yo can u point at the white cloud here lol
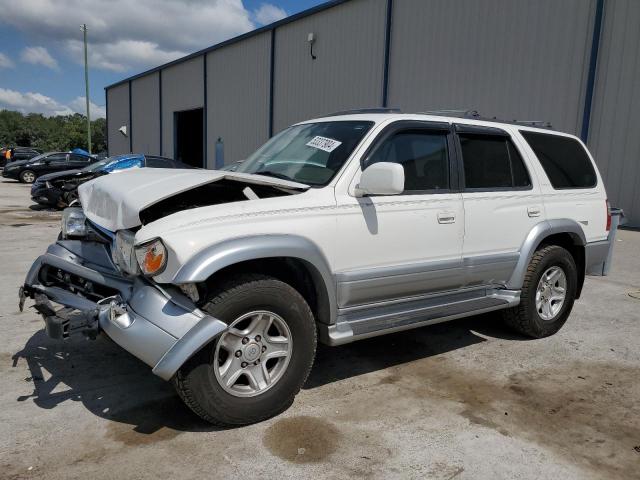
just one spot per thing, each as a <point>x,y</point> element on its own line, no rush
<point>95,111</point>
<point>268,13</point>
<point>39,56</point>
<point>32,102</point>
<point>126,35</point>
<point>5,61</point>
<point>120,55</point>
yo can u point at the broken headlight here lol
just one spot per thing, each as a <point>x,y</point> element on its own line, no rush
<point>152,257</point>
<point>73,223</point>
<point>123,254</point>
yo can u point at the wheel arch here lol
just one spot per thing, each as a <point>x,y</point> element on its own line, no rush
<point>566,233</point>
<point>294,259</point>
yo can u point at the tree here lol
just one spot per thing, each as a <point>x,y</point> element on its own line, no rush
<point>62,133</point>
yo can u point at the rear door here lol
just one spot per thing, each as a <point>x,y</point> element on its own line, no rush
<point>400,246</point>
<point>501,203</point>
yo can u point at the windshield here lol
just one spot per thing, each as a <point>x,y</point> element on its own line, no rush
<point>98,165</point>
<point>310,153</point>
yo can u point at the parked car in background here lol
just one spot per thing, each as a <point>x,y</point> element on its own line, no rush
<point>18,153</point>
<point>61,188</point>
<point>28,170</point>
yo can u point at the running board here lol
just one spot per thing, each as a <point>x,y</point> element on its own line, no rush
<point>356,323</point>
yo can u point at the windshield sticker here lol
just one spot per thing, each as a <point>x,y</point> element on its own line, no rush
<point>324,143</point>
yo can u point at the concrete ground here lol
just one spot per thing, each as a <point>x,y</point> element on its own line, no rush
<point>464,400</point>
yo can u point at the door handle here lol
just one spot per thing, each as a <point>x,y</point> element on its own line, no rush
<point>446,217</point>
<point>534,211</point>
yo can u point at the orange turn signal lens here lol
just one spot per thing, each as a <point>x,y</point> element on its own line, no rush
<point>152,257</point>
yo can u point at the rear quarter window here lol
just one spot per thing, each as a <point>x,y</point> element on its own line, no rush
<point>564,160</point>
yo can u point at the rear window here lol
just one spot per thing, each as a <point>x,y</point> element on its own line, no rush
<point>565,161</point>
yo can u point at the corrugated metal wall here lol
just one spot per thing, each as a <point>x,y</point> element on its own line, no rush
<point>145,118</point>
<point>238,97</point>
<point>614,136</point>
<point>118,106</point>
<point>506,58</point>
<point>348,70</point>
<point>182,89</point>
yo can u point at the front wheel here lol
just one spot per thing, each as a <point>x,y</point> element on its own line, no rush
<point>547,295</point>
<point>27,176</point>
<point>256,367</point>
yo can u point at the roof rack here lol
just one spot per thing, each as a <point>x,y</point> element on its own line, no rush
<point>364,110</point>
<point>473,114</point>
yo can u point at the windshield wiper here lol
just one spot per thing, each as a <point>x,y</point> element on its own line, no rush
<point>269,173</point>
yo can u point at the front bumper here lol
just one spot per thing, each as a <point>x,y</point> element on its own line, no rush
<point>45,196</point>
<point>10,174</point>
<point>159,325</point>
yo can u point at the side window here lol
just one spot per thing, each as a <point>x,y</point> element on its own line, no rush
<point>563,159</point>
<point>58,158</point>
<point>424,156</point>
<point>157,162</point>
<point>492,161</point>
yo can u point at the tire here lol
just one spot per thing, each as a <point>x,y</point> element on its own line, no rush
<point>197,382</point>
<point>27,176</point>
<point>67,198</point>
<point>527,318</point>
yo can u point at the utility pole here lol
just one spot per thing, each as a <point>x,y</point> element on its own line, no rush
<point>83,27</point>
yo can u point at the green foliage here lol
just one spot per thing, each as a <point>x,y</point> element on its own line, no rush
<point>60,133</point>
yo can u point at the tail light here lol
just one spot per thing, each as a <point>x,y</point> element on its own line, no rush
<point>608,206</point>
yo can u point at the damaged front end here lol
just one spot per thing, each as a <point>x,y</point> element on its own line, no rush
<point>80,287</point>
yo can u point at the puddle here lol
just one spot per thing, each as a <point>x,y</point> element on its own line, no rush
<point>302,439</point>
<point>587,412</point>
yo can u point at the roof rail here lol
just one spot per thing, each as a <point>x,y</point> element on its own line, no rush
<point>473,114</point>
<point>364,110</point>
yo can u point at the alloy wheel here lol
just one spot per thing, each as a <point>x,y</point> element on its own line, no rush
<point>253,354</point>
<point>551,293</point>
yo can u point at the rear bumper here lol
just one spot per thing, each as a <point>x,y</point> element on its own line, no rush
<point>596,255</point>
<point>160,326</point>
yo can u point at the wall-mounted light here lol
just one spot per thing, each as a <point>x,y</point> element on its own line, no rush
<point>123,130</point>
<point>311,38</point>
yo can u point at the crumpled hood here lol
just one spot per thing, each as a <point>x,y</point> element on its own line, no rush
<point>114,201</point>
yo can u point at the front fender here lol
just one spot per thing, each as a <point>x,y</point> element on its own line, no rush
<point>197,337</point>
<point>229,252</point>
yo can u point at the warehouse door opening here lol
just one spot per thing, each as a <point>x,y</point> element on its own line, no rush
<point>189,137</point>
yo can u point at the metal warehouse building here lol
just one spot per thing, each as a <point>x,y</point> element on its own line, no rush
<point>575,63</point>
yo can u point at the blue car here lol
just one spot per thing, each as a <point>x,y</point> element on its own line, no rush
<point>61,188</point>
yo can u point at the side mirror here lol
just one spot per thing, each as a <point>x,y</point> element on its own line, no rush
<point>382,178</point>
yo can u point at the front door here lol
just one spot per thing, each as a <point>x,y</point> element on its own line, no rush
<point>399,246</point>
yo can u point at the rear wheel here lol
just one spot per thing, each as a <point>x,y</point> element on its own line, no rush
<point>27,176</point>
<point>547,295</point>
<point>254,370</point>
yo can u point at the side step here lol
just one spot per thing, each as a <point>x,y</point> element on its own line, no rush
<point>356,323</point>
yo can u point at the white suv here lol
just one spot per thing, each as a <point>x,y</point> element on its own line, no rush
<point>339,228</point>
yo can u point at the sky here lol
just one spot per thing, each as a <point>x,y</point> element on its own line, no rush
<point>41,52</point>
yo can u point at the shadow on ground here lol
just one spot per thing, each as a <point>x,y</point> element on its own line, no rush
<point>114,385</point>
